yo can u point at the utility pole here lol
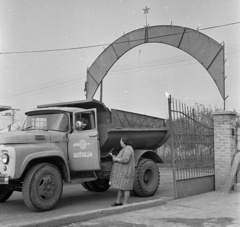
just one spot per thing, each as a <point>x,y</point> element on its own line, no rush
<point>14,111</point>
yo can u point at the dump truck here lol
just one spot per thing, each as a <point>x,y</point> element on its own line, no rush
<point>52,148</point>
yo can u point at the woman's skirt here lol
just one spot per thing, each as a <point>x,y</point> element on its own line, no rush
<point>119,180</point>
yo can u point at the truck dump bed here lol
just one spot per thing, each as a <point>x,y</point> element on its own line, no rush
<point>124,119</point>
<point>146,132</point>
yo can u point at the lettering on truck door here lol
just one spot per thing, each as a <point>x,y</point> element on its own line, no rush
<point>83,143</point>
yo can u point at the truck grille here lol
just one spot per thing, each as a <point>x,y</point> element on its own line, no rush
<point>40,138</point>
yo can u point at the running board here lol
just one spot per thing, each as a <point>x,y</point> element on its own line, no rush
<point>81,180</point>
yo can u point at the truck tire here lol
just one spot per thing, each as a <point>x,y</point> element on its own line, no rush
<point>42,187</point>
<point>147,178</point>
<point>99,185</point>
<point>85,185</point>
<point>4,194</point>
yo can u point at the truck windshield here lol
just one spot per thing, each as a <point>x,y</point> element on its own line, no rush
<point>47,121</point>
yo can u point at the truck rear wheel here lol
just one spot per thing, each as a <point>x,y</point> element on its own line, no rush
<point>4,194</point>
<point>42,187</point>
<point>147,178</point>
<point>99,185</point>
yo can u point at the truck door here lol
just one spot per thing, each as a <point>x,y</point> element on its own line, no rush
<point>83,146</point>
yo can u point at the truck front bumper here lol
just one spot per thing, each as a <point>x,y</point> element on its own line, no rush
<point>4,179</point>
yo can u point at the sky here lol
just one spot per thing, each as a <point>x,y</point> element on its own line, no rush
<point>46,47</point>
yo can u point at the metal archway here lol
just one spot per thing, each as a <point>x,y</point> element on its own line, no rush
<point>208,52</point>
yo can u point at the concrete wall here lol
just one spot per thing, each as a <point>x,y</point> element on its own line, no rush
<point>225,145</point>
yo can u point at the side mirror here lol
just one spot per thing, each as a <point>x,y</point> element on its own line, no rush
<point>78,125</point>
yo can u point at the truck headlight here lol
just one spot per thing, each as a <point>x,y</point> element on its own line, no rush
<point>5,158</point>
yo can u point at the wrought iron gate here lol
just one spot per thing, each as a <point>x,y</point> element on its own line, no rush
<point>192,149</point>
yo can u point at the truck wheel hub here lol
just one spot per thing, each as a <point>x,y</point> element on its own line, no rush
<point>46,187</point>
<point>147,176</point>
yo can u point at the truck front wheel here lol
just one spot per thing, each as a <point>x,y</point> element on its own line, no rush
<point>42,187</point>
<point>4,194</point>
<point>147,178</point>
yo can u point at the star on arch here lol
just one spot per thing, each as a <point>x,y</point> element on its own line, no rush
<point>146,10</point>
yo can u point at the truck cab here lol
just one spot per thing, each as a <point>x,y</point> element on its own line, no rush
<point>64,125</point>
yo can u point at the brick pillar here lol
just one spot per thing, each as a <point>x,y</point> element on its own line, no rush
<point>224,145</point>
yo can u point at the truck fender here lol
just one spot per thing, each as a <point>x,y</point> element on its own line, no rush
<point>46,156</point>
<point>149,154</point>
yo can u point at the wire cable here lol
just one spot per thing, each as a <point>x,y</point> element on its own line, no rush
<point>101,45</point>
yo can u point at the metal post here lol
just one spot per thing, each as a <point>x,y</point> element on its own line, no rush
<point>86,85</point>
<point>224,103</point>
<point>171,146</point>
<point>101,91</point>
<point>12,117</point>
<point>224,78</point>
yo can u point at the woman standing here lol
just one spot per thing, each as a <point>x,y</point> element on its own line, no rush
<point>123,170</point>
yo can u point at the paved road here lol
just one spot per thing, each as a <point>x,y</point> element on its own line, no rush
<point>212,209</point>
<point>75,199</point>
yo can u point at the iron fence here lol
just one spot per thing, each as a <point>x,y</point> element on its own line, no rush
<point>193,142</point>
